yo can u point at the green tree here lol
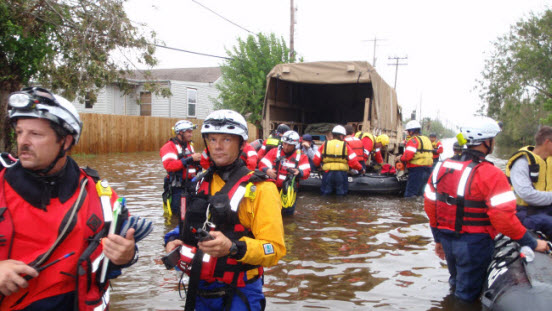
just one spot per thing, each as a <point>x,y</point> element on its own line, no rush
<point>244,75</point>
<point>516,84</point>
<point>73,47</point>
<point>435,126</point>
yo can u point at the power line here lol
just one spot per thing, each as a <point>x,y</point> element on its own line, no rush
<point>397,67</point>
<point>226,19</point>
<point>191,52</point>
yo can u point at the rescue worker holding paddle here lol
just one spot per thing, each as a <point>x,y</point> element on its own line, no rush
<point>225,253</point>
<point>285,164</point>
<point>181,163</point>
<point>468,202</point>
<point>53,215</point>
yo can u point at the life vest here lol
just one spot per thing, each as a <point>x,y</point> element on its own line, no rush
<point>271,143</point>
<point>361,136</point>
<point>540,172</point>
<point>423,155</point>
<point>184,153</point>
<point>223,209</point>
<point>90,295</point>
<point>357,146</point>
<point>455,211</point>
<point>435,146</point>
<point>283,164</point>
<point>334,156</point>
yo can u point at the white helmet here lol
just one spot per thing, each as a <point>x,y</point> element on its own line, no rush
<point>412,125</point>
<point>183,126</point>
<point>478,129</point>
<point>340,130</point>
<point>35,102</point>
<point>291,137</point>
<point>225,122</point>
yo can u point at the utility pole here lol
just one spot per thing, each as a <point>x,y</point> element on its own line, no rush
<point>375,40</point>
<point>397,59</point>
<point>291,30</point>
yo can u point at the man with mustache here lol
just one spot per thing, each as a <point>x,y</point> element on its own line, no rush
<point>53,225</point>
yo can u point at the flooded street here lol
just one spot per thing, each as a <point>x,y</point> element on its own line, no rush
<point>357,252</point>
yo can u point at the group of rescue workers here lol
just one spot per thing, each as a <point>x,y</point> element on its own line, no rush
<point>61,242</point>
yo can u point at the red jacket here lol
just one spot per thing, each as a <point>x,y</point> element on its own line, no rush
<point>33,231</point>
<point>357,146</point>
<point>351,158</point>
<point>248,155</point>
<point>487,195</point>
<point>368,147</point>
<point>438,147</point>
<point>296,160</point>
<point>171,154</point>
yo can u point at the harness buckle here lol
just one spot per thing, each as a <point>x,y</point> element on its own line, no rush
<point>450,200</point>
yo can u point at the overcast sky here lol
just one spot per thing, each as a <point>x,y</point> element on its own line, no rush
<point>446,42</point>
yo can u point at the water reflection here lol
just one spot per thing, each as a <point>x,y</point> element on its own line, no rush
<point>357,252</point>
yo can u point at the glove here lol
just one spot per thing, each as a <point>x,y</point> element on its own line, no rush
<point>142,227</point>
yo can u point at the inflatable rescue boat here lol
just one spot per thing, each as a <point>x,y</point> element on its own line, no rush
<point>517,279</point>
<point>369,183</point>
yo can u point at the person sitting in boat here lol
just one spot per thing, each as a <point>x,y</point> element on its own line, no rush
<point>181,162</point>
<point>272,141</point>
<point>457,150</point>
<point>418,157</point>
<point>286,162</point>
<point>468,202</point>
<point>530,172</point>
<point>309,148</point>
<point>336,157</point>
<point>368,141</point>
<point>437,147</point>
<point>356,144</point>
<point>248,156</point>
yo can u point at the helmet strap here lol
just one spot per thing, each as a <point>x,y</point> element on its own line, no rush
<point>487,146</point>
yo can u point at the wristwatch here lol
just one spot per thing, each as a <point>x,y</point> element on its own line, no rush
<point>233,249</point>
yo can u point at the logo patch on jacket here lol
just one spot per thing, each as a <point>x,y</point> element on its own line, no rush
<point>268,249</point>
<point>94,222</point>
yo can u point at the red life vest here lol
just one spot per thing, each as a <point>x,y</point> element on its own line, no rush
<point>456,211</point>
<point>89,223</point>
<point>357,146</point>
<point>223,269</point>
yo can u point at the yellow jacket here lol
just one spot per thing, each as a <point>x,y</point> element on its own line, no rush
<point>334,156</point>
<point>424,154</point>
<point>264,217</point>
<point>540,170</point>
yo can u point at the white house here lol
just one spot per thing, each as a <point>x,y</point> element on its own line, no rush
<point>193,92</point>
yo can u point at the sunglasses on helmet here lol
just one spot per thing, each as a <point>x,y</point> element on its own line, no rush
<point>29,97</point>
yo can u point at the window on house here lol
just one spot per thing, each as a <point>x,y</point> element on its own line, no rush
<point>145,103</point>
<point>192,101</point>
<point>88,102</point>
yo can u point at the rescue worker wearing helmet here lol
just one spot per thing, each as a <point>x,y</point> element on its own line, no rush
<point>356,144</point>
<point>286,164</point>
<point>457,150</point>
<point>43,193</point>
<point>272,141</point>
<point>468,202</point>
<point>530,173</point>
<point>181,163</point>
<point>437,147</point>
<point>243,232</point>
<point>336,157</point>
<point>418,156</point>
<point>248,156</point>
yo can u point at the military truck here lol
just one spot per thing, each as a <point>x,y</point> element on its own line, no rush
<point>303,95</point>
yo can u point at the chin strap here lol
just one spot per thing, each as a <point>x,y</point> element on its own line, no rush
<point>60,155</point>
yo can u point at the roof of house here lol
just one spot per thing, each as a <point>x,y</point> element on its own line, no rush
<point>201,74</point>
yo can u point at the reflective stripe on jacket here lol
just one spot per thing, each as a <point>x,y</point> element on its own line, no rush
<point>418,152</point>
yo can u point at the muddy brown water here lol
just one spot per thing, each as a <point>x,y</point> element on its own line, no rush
<point>353,253</point>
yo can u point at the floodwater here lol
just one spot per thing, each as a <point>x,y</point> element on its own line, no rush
<point>353,253</point>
